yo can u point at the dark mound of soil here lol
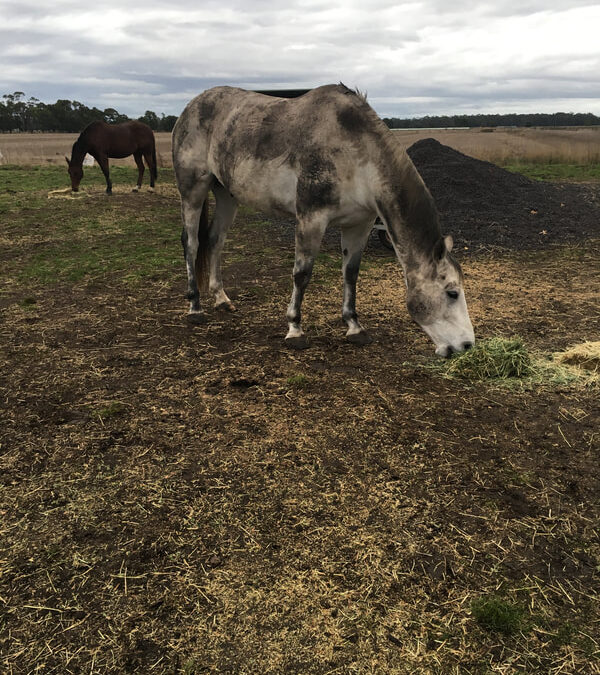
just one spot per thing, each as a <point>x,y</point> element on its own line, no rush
<point>484,206</point>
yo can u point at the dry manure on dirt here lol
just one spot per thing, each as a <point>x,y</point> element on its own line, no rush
<point>485,207</point>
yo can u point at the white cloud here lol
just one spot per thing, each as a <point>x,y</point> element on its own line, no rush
<point>413,58</point>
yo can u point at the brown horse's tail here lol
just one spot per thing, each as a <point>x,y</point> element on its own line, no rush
<point>154,167</point>
<point>201,267</point>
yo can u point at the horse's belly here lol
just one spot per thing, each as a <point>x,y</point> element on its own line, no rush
<point>267,186</point>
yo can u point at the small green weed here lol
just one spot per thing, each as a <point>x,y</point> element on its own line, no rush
<point>497,615</point>
<point>113,409</point>
<point>28,302</point>
<point>297,381</point>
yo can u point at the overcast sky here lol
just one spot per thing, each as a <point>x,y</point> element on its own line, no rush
<point>411,58</point>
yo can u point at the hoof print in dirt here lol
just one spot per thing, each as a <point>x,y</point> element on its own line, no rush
<point>362,338</point>
<point>196,319</point>
<point>297,342</point>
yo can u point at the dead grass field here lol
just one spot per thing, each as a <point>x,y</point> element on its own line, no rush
<point>579,145</point>
<point>182,500</point>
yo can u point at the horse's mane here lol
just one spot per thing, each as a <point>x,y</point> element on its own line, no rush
<point>417,203</point>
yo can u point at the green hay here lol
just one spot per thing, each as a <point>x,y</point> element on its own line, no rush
<point>492,359</point>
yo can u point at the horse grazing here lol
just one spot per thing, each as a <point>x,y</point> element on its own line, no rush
<point>325,158</point>
<point>102,140</point>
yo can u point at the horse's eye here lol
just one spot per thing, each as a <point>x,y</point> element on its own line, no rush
<point>452,294</point>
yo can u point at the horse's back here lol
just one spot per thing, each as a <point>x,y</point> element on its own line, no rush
<point>118,140</point>
<point>278,154</point>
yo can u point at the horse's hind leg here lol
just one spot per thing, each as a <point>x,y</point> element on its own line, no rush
<point>140,165</point>
<point>225,211</point>
<point>354,240</point>
<point>194,207</point>
<point>103,162</point>
<point>309,233</point>
<point>150,157</point>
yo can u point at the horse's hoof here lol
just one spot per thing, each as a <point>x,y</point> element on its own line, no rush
<point>226,306</point>
<point>196,318</point>
<point>297,342</point>
<point>151,189</point>
<point>135,189</point>
<point>360,338</point>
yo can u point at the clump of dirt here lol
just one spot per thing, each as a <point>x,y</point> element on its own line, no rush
<point>485,206</point>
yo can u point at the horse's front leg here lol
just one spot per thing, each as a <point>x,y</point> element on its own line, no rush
<point>103,162</point>
<point>309,233</point>
<point>354,240</point>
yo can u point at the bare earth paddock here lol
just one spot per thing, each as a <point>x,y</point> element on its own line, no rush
<point>179,499</point>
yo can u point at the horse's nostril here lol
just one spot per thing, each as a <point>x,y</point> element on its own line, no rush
<point>449,351</point>
<point>467,345</point>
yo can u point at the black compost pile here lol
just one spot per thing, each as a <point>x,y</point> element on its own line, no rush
<point>484,206</point>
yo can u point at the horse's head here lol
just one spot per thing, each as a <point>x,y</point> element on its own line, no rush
<point>436,300</point>
<point>75,173</point>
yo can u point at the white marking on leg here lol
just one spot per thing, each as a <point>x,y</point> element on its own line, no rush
<point>294,331</point>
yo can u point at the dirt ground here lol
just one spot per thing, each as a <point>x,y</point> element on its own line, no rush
<point>181,499</point>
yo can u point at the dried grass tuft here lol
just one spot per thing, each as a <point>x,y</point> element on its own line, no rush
<point>585,355</point>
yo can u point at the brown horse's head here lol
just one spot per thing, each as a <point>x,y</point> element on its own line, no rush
<point>75,173</point>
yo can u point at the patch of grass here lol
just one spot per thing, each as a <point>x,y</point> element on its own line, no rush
<point>494,358</point>
<point>497,615</point>
<point>558,171</point>
<point>507,362</point>
<point>297,381</point>
<point>112,409</point>
<point>564,635</point>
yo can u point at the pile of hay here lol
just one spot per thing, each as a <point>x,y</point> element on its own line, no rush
<point>585,355</point>
<point>494,358</point>
<point>65,193</point>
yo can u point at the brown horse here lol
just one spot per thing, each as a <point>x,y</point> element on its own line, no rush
<point>102,140</point>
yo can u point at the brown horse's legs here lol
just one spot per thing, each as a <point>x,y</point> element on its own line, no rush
<point>150,158</point>
<point>140,165</point>
<point>103,162</point>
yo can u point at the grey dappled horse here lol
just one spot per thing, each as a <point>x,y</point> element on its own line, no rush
<point>324,158</point>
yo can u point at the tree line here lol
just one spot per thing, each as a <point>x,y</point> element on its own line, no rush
<point>20,114</point>
<point>559,119</point>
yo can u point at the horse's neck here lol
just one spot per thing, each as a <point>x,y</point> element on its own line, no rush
<point>80,148</point>
<point>407,208</point>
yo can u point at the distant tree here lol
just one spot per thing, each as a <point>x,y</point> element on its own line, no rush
<point>151,119</point>
<point>167,122</point>
<point>111,116</point>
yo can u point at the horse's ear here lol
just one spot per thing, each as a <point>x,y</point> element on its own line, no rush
<point>439,249</point>
<point>449,242</point>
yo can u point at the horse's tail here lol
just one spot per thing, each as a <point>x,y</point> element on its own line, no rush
<point>153,168</point>
<point>202,265</point>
